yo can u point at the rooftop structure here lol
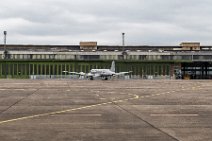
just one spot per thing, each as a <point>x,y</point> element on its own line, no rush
<point>190,45</point>
<point>88,45</point>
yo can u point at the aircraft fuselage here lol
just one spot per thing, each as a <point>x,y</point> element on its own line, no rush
<point>103,73</point>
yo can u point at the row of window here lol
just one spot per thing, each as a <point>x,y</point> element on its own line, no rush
<point>105,57</point>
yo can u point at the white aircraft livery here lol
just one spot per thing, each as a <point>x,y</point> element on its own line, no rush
<point>103,73</point>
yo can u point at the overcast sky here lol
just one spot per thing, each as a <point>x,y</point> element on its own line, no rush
<point>145,22</point>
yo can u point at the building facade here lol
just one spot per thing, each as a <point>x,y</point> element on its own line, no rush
<point>187,61</point>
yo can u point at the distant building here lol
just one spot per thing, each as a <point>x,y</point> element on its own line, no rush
<point>190,45</point>
<point>189,59</point>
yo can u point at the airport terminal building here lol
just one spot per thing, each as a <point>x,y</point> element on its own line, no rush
<point>189,60</point>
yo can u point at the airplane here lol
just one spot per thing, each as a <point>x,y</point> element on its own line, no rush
<point>103,73</point>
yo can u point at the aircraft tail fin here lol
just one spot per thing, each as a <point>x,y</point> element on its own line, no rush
<point>113,69</point>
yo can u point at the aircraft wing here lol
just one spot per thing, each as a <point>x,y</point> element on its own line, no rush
<point>123,73</point>
<point>77,73</point>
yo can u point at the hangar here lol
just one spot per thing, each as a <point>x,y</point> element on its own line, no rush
<point>189,60</point>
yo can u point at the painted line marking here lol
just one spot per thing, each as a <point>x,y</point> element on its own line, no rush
<point>193,88</point>
<point>16,89</point>
<point>22,83</point>
<point>56,124</point>
<point>3,89</point>
<point>86,115</point>
<point>158,94</point>
<point>174,115</point>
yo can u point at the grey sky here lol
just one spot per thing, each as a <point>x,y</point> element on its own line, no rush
<point>145,22</point>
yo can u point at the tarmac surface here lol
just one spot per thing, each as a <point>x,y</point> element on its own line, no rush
<point>114,110</point>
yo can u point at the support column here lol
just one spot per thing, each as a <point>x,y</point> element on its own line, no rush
<point>13,73</point>
<point>45,69</point>
<point>1,69</point>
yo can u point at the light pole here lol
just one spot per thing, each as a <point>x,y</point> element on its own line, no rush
<point>5,42</point>
<point>123,41</point>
